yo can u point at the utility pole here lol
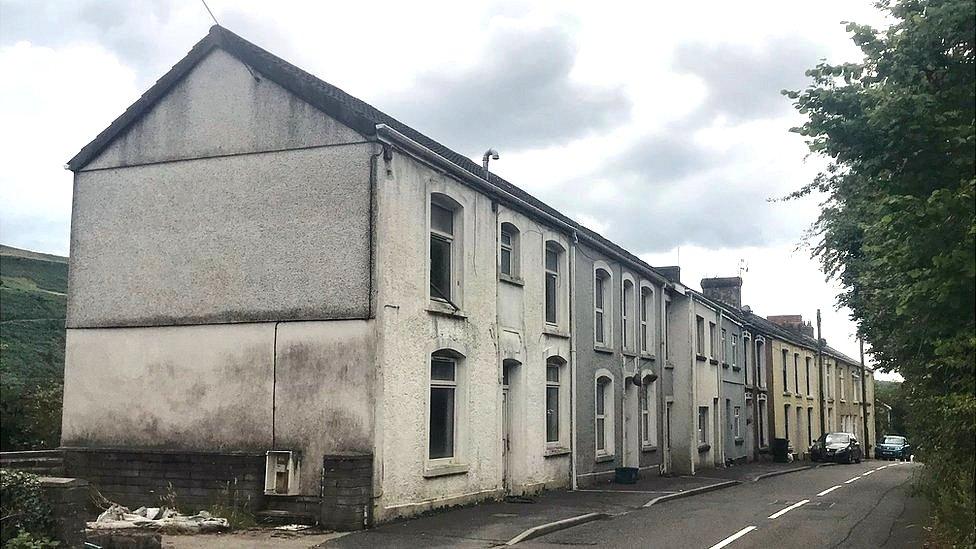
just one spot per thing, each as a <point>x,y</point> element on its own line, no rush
<point>864,403</point>
<point>820,342</point>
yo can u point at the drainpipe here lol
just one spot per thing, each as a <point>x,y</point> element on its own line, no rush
<point>693,401</point>
<point>720,411</point>
<point>572,362</point>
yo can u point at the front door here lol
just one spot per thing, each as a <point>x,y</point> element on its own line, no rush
<point>667,437</point>
<point>631,425</point>
<point>506,440</point>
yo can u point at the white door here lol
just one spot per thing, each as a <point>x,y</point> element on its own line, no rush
<point>631,425</point>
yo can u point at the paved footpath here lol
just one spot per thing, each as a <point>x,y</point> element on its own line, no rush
<point>863,505</point>
<point>609,506</point>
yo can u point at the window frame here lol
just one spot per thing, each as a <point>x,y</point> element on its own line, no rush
<point>627,306</point>
<point>648,411</point>
<point>603,384</point>
<point>703,422</point>
<point>513,247</point>
<point>712,340</point>
<point>453,294</point>
<point>453,386</point>
<point>786,370</point>
<point>554,247</point>
<point>736,422</point>
<point>700,335</point>
<point>558,363</point>
<point>602,309</point>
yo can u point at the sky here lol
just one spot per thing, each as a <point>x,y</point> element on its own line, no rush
<point>658,124</point>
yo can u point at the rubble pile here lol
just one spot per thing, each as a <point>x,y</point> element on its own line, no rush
<point>160,519</point>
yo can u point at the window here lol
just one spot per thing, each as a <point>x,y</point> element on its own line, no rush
<point>700,335</point>
<point>786,383</point>
<point>553,370</point>
<point>732,359</point>
<point>840,378</point>
<point>508,251</point>
<point>604,415</point>
<point>830,381</point>
<point>712,340</point>
<point>626,313</point>
<point>761,363</point>
<point>810,426</point>
<point>786,421</point>
<point>808,377</point>
<point>648,406</point>
<point>443,411</point>
<point>796,373</point>
<point>725,348</point>
<point>553,256</point>
<point>667,329</point>
<point>702,425</point>
<point>746,353</point>
<point>600,307</point>
<point>855,385</point>
<point>444,243</point>
<point>646,313</point>
<point>736,428</point>
<point>762,422</point>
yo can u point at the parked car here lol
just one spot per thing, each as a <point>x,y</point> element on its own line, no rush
<point>839,447</point>
<point>893,447</point>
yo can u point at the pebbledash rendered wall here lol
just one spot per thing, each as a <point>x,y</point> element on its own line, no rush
<point>219,293</point>
<point>482,334</point>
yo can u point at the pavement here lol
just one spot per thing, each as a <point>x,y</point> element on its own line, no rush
<point>497,523</point>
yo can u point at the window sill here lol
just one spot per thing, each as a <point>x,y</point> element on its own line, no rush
<point>725,364</point>
<point>809,397</point>
<point>445,309</point>
<point>433,471</point>
<point>787,394</point>
<point>739,441</point>
<point>669,365</point>
<point>555,332</point>
<point>629,353</point>
<point>713,361</point>
<point>702,448</point>
<point>649,449</point>
<point>737,368</point>
<point>602,349</point>
<point>700,358</point>
<point>513,280</point>
<point>648,356</point>
<point>554,451</point>
<point>603,458</point>
<point>830,400</point>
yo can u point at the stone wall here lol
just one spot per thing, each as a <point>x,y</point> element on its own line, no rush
<point>195,480</point>
<point>68,499</point>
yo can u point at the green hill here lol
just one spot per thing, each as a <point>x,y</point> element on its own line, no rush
<point>33,298</point>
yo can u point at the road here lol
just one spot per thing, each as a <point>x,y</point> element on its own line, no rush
<point>859,505</point>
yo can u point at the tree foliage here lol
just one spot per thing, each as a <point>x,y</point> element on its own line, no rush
<point>897,228</point>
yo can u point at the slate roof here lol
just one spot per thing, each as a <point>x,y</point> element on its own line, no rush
<point>353,112</point>
<point>796,338</point>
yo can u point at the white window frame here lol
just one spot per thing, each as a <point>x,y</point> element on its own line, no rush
<point>603,310</point>
<point>700,335</point>
<point>454,292</point>
<point>667,329</point>
<point>808,360</point>
<point>560,364</point>
<point>648,409</point>
<point>736,427</point>
<point>627,308</point>
<point>712,340</point>
<point>725,346</point>
<point>733,348</point>
<point>607,417</point>
<point>703,423</point>
<point>454,386</point>
<point>513,247</point>
<point>557,301</point>
<point>760,356</point>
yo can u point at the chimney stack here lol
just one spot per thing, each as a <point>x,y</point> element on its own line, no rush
<point>793,323</point>
<point>672,273</point>
<point>727,289</point>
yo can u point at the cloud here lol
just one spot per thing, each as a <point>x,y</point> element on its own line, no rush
<point>744,80</point>
<point>519,93</point>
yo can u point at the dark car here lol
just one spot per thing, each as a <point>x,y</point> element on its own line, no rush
<point>839,447</point>
<point>893,447</point>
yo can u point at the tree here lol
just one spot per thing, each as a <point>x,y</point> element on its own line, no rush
<point>897,227</point>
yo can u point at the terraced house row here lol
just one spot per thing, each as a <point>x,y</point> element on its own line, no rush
<point>284,298</point>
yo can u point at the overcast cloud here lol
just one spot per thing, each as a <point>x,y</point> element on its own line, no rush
<point>659,125</point>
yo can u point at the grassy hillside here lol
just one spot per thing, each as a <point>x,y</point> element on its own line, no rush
<point>33,290</point>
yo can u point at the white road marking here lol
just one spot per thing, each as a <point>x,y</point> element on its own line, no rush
<point>882,467</point>
<point>828,490</point>
<point>866,473</point>
<point>782,512</point>
<point>851,480</point>
<point>733,537</point>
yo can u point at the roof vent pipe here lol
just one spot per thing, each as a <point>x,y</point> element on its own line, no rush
<point>490,154</point>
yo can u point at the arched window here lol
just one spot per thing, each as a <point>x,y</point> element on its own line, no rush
<point>555,381</point>
<point>604,415</point>
<point>601,307</point>
<point>648,407</point>
<point>553,261</point>
<point>445,248</point>
<point>626,313</point>
<point>646,322</point>
<point>509,254</point>
<point>443,403</point>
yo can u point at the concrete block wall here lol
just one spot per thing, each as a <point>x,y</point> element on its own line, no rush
<point>347,492</point>
<point>68,499</point>
<point>195,480</point>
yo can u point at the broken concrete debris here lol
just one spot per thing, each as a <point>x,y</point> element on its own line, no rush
<point>118,517</point>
